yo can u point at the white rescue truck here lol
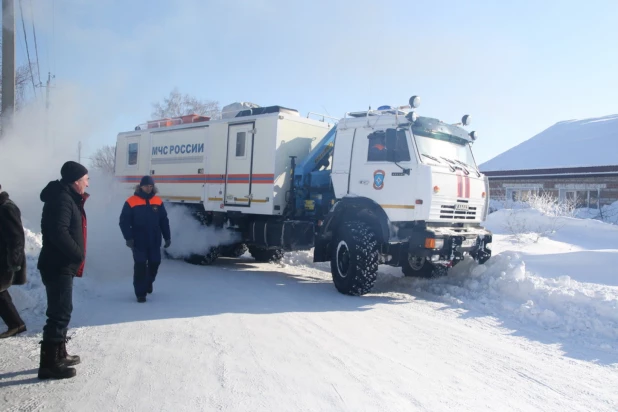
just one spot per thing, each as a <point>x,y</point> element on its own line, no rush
<point>381,186</point>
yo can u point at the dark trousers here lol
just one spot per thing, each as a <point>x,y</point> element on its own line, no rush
<point>8,312</point>
<point>144,275</point>
<point>59,288</point>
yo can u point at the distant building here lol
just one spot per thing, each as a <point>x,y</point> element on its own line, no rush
<point>572,160</point>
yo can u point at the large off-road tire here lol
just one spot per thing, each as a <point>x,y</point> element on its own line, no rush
<point>422,268</point>
<point>204,260</point>
<point>266,255</point>
<point>354,262</point>
<point>234,251</point>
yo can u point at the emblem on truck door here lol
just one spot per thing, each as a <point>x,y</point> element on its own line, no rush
<point>378,179</point>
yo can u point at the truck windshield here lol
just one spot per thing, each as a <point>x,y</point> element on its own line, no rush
<point>434,146</point>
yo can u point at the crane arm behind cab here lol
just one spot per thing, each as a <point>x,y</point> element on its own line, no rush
<point>311,183</point>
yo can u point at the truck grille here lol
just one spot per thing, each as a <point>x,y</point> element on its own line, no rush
<point>458,211</point>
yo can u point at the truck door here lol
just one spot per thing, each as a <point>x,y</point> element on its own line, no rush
<point>376,176</point>
<point>239,164</point>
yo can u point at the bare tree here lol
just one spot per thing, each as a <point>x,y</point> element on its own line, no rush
<point>553,213</point>
<point>104,160</point>
<point>23,76</point>
<point>177,104</point>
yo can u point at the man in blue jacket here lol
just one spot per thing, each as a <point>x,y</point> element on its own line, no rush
<point>143,222</point>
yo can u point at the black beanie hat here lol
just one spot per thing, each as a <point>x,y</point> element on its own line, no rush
<point>72,171</point>
<point>146,180</point>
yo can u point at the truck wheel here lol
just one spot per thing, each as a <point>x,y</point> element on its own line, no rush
<point>204,260</point>
<point>354,263</point>
<point>234,251</point>
<point>422,268</point>
<point>266,255</point>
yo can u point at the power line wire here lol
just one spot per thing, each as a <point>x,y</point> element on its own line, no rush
<point>54,35</point>
<point>36,48</point>
<point>21,11</point>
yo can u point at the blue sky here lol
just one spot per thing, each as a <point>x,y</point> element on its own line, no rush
<point>516,67</point>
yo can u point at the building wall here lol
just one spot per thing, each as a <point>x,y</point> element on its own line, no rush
<point>585,189</point>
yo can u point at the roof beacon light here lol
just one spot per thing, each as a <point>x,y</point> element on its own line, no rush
<point>465,120</point>
<point>474,136</point>
<point>415,101</point>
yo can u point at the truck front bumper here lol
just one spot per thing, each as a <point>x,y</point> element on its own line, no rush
<point>447,246</point>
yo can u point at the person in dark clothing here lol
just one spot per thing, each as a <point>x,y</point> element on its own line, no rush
<point>12,263</point>
<point>143,221</point>
<point>377,148</point>
<point>62,257</point>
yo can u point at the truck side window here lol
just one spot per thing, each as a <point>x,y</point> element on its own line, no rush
<point>132,154</point>
<point>377,147</point>
<point>241,138</point>
<point>381,151</point>
<point>403,153</point>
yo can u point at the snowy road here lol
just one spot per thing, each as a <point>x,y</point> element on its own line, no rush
<point>246,337</point>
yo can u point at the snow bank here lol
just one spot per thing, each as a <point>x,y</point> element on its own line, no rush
<point>504,286</point>
<point>607,213</point>
<point>519,222</point>
<point>578,234</point>
<point>30,298</point>
<point>554,272</point>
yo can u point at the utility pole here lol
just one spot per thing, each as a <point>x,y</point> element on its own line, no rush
<point>8,63</point>
<point>49,76</point>
<point>48,141</point>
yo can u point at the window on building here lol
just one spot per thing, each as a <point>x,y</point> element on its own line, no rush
<point>241,141</point>
<point>581,198</point>
<point>379,152</point>
<point>520,194</point>
<point>132,158</point>
<point>593,199</point>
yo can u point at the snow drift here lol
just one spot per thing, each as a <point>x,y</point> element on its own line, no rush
<point>504,287</point>
<point>555,273</point>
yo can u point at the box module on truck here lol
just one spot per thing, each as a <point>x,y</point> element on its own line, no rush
<point>383,186</point>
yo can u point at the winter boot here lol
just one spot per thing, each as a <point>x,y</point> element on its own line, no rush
<point>68,360</point>
<point>149,288</point>
<point>10,316</point>
<point>141,299</point>
<point>50,365</point>
<point>13,331</point>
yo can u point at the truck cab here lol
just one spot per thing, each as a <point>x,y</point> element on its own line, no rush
<point>411,185</point>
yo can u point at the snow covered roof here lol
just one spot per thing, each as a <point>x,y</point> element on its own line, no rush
<point>571,143</point>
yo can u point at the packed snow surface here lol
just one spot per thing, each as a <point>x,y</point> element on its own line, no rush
<point>536,328</point>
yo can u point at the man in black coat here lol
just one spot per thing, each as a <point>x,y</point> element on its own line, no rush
<point>12,263</point>
<point>62,257</point>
